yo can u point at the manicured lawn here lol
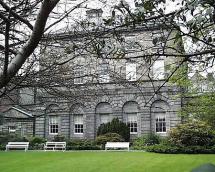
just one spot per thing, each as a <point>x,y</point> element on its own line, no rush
<point>33,161</point>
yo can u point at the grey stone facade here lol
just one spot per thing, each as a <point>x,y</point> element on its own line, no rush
<point>116,103</point>
<point>143,101</point>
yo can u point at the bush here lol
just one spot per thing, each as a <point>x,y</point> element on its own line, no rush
<point>108,137</point>
<point>82,145</point>
<point>59,138</point>
<point>152,139</point>
<point>139,143</point>
<point>160,148</point>
<point>115,126</point>
<point>170,149</point>
<point>37,143</point>
<point>149,139</point>
<point>9,137</point>
<point>194,133</point>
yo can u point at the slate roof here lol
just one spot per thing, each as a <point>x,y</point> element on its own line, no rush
<point>15,112</point>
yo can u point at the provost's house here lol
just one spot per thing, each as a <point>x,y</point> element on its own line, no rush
<point>102,87</point>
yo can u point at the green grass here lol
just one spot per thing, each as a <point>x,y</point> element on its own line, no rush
<point>33,161</point>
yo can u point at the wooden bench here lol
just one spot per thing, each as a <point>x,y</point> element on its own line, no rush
<point>55,146</point>
<point>17,145</point>
<point>115,145</point>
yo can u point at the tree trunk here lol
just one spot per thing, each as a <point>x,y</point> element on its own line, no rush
<point>24,53</point>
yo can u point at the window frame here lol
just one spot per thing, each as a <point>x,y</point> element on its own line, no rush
<point>134,123</point>
<point>79,73</point>
<point>104,76</point>
<point>79,126</point>
<point>131,74</point>
<point>54,124</point>
<point>158,73</point>
<point>12,130</point>
<point>159,124</point>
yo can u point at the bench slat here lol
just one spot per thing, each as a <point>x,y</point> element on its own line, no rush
<point>24,145</point>
<point>55,146</point>
<point>117,145</point>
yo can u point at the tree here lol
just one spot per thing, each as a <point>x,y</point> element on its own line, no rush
<point>10,17</point>
<point>20,38</point>
<point>200,99</point>
<point>115,126</point>
<point>187,15</point>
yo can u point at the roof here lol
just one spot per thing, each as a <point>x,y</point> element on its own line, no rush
<point>14,112</point>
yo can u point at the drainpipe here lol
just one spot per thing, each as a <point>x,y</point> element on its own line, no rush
<point>34,126</point>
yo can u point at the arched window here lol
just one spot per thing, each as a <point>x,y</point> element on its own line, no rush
<point>54,119</point>
<point>103,111</point>
<point>53,125</point>
<point>78,119</point>
<point>130,110</point>
<point>160,119</point>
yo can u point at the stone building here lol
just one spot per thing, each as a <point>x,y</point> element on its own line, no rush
<point>108,78</point>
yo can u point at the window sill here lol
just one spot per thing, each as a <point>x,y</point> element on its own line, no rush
<point>161,132</point>
<point>54,134</point>
<point>133,133</point>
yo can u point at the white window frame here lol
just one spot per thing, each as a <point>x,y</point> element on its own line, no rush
<point>131,71</point>
<point>78,124</point>
<point>132,122</point>
<point>104,76</point>
<point>160,124</point>
<point>158,69</point>
<point>53,125</point>
<point>79,75</point>
<point>12,129</point>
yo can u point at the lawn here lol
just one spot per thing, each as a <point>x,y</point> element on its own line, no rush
<point>33,161</point>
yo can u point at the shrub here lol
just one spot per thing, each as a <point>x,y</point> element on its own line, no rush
<point>59,138</point>
<point>37,142</point>
<point>108,137</point>
<point>152,139</point>
<point>194,133</point>
<point>160,148</point>
<point>82,145</point>
<point>115,126</point>
<point>9,137</point>
<point>170,149</point>
<point>139,143</point>
<point>149,139</point>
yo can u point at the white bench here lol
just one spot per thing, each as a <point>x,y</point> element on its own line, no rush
<point>18,145</point>
<point>55,146</point>
<point>114,145</point>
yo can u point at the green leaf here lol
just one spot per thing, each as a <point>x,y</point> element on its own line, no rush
<point>148,5</point>
<point>155,40</point>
